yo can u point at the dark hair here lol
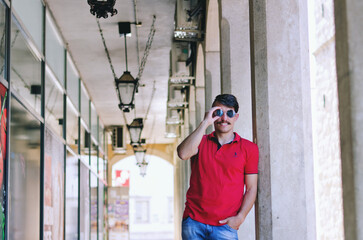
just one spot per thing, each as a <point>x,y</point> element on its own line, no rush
<point>227,100</point>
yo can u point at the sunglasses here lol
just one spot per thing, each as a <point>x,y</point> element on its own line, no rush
<point>219,113</point>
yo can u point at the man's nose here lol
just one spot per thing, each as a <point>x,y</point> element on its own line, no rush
<point>224,116</point>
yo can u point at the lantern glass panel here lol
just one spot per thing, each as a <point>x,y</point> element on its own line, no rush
<point>126,92</point>
<point>135,134</point>
<point>139,155</point>
<point>143,168</point>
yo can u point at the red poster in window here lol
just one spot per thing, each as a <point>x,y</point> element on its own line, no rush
<point>122,178</point>
<point>3,132</point>
<point>3,115</point>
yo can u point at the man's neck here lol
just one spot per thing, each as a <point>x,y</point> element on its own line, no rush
<point>224,138</point>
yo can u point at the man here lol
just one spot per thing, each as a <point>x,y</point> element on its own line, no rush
<point>222,164</point>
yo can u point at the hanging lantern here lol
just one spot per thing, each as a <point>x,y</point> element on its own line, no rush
<point>139,155</point>
<point>143,166</point>
<point>126,87</point>
<point>101,8</point>
<point>135,129</point>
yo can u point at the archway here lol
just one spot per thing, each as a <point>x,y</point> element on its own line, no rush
<point>151,198</point>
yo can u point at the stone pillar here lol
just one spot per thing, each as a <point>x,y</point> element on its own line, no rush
<point>325,122</point>
<point>235,59</point>
<point>349,60</point>
<point>200,85</point>
<point>212,55</point>
<point>282,123</point>
<point>179,194</point>
<point>236,76</point>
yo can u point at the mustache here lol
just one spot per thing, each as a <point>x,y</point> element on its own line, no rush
<point>219,122</point>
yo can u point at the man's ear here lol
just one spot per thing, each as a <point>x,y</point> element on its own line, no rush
<point>237,115</point>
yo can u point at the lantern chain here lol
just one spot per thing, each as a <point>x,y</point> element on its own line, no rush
<point>151,99</point>
<point>106,49</point>
<point>137,35</point>
<point>147,48</point>
<point>109,60</point>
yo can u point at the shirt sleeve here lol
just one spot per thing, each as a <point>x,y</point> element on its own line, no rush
<point>251,166</point>
<point>204,138</point>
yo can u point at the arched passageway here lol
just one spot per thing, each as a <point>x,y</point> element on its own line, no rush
<point>150,199</point>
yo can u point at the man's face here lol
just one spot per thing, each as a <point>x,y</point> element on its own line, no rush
<point>225,124</point>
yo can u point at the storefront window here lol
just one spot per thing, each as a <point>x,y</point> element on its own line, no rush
<point>94,207</point>
<point>71,197</point>
<point>72,83</point>
<point>84,105</point>
<point>55,52</point>
<point>3,158</point>
<point>101,162</point>
<point>84,202</point>
<point>24,174</point>
<point>2,41</point>
<point>101,141</point>
<point>85,144</point>
<point>94,122</point>
<point>25,69</point>
<point>72,126</point>
<point>53,187</point>
<point>53,103</point>
<point>101,208</point>
<point>30,13</point>
<point>94,156</point>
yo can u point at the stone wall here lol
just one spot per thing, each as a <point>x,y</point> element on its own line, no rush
<point>325,115</point>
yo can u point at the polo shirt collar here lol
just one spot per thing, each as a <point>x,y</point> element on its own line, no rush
<point>213,137</point>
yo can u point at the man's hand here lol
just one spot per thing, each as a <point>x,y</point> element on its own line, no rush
<point>208,116</point>
<point>189,147</point>
<point>234,222</point>
<point>248,201</point>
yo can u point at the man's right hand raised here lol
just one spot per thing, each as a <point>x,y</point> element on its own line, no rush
<point>189,147</point>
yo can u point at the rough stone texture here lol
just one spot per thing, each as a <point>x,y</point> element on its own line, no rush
<point>235,59</point>
<point>212,56</point>
<point>327,167</point>
<point>261,117</point>
<point>349,57</point>
<point>200,85</point>
<point>307,120</point>
<point>236,76</point>
<point>282,112</point>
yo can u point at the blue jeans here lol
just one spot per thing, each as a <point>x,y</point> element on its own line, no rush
<point>194,230</point>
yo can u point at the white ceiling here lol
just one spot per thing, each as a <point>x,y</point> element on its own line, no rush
<point>81,34</point>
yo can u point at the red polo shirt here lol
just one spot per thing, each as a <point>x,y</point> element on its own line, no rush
<point>217,180</point>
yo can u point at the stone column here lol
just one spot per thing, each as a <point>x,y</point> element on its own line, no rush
<point>349,60</point>
<point>236,76</point>
<point>235,59</point>
<point>282,122</point>
<point>212,55</point>
<point>200,85</point>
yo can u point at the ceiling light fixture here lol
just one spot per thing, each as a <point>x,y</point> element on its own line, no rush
<point>126,85</point>
<point>141,160</point>
<point>139,152</point>
<point>135,129</point>
<point>101,8</point>
<point>143,166</point>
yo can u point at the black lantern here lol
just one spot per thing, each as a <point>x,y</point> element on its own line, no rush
<point>143,167</point>
<point>135,129</point>
<point>139,152</point>
<point>101,8</point>
<point>141,160</point>
<point>126,85</point>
